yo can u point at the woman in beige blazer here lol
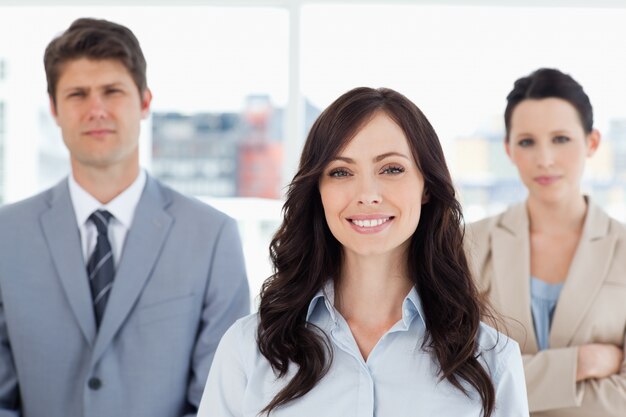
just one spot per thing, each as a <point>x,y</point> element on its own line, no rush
<point>554,266</point>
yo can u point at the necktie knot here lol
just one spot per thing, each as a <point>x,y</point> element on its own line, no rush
<point>100,218</point>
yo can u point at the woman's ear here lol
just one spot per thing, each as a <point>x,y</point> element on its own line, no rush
<point>425,196</point>
<point>507,147</point>
<point>593,141</point>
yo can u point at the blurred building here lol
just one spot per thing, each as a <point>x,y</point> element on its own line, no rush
<point>261,150</point>
<point>196,154</point>
<point>617,137</point>
<point>485,178</point>
<point>223,154</point>
<point>615,143</point>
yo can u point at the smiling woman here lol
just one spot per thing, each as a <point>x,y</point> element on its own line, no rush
<point>374,188</point>
<point>371,309</point>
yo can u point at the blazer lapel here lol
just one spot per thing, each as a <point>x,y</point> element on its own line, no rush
<point>511,262</point>
<point>144,241</point>
<point>587,272</point>
<point>63,238</point>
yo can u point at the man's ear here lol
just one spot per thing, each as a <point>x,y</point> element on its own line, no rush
<point>146,99</point>
<point>53,109</point>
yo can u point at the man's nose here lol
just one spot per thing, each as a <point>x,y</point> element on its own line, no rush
<point>97,107</point>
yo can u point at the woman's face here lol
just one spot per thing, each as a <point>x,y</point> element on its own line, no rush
<point>372,191</point>
<point>548,145</point>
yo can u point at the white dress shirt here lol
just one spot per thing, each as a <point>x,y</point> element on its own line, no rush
<point>398,379</point>
<point>121,207</point>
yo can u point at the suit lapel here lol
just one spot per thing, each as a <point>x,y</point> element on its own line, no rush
<point>511,260</point>
<point>63,238</point>
<point>144,241</point>
<point>587,272</point>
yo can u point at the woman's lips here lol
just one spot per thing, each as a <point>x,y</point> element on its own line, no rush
<point>370,223</point>
<point>547,179</point>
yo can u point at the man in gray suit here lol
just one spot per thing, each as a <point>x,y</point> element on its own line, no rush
<point>114,289</point>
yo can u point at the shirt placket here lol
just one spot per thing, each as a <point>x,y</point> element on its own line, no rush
<point>344,340</point>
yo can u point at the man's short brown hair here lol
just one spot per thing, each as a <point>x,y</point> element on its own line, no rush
<point>94,39</point>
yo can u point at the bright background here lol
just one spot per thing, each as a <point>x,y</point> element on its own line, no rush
<point>237,84</point>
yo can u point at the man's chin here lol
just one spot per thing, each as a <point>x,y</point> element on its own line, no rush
<point>104,162</point>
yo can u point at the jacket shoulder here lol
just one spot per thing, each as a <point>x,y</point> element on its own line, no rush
<point>186,207</point>
<point>477,233</point>
<point>23,209</point>
<point>478,247</point>
<point>617,227</point>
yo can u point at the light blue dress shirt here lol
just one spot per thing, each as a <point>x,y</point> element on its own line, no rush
<point>543,299</point>
<point>398,379</point>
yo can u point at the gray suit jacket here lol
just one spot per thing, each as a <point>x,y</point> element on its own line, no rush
<point>179,285</point>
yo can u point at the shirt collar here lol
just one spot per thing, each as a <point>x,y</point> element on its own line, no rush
<point>325,296</point>
<point>411,306</point>
<point>121,207</point>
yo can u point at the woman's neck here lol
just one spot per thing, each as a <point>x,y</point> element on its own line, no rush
<point>553,218</point>
<point>371,289</point>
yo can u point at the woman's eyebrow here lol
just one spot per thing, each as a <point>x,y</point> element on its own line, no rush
<point>388,154</point>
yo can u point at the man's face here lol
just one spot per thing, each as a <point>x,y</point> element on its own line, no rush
<point>99,109</point>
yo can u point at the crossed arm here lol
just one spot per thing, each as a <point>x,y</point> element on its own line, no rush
<point>586,380</point>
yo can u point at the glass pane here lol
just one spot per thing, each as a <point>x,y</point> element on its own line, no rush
<point>219,81</point>
<point>459,63</point>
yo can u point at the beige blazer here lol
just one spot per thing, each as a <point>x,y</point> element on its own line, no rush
<point>591,308</point>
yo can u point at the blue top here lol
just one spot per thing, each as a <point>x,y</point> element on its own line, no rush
<point>398,379</point>
<point>543,298</point>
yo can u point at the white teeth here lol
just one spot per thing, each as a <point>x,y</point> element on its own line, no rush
<point>370,223</point>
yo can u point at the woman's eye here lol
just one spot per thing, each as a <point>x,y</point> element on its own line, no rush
<point>560,139</point>
<point>392,169</point>
<point>524,143</point>
<point>339,172</point>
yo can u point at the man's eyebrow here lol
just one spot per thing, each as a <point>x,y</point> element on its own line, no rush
<point>113,84</point>
<point>74,87</point>
<point>101,87</point>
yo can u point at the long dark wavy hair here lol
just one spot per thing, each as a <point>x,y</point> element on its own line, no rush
<point>305,254</point>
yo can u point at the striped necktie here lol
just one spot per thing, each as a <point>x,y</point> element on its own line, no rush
<point>100,267</point>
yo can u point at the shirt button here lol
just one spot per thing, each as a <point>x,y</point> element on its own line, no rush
<point>94,383</point>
